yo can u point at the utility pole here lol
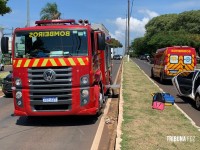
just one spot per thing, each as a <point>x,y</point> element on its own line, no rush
<point>12,30</point>
<point>128,28</point>
<point>28,15</point>
<point>1,35</point>
<point>125,52</point>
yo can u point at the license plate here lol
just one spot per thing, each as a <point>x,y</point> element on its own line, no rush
<point>50,99</point>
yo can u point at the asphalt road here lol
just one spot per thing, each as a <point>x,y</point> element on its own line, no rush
<point>42,133</point>
<point>186,104</point>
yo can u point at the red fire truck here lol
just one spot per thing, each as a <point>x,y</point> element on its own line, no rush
<point>60,67</point>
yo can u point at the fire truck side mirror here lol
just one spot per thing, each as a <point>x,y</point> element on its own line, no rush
<point>101,41</point>
<point>4,45</point>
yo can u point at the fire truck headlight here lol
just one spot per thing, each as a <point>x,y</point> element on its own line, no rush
<point>18,82</point>
<point>85,93</point>
<point>18,95</point>
<point>84,101</point>
<point>19,103</point>
<point>84,80</point>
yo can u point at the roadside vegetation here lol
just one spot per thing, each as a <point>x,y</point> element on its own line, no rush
<point>2,75</point>
<point>146,128</point>
<point>169,30</point>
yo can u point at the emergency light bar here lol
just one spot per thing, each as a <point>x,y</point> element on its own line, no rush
<point>180,46</point>
<point>43,22</point>
<point>83,22</point>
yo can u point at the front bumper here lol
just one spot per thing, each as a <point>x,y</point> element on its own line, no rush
<point>75,108</point>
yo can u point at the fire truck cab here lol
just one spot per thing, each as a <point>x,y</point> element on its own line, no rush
<point>60,67</point>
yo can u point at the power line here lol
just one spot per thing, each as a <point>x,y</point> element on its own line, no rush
<point>131,8</point>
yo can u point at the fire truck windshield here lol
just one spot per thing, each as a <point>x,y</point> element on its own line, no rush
<point>50,43</point>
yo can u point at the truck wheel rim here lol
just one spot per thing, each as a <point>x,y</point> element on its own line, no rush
<point>100,99</point>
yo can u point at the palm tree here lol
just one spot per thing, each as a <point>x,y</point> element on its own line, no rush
<point>50,12</point>
<point>4,8</point>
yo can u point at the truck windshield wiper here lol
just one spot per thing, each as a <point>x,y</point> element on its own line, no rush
<point>67,55</point>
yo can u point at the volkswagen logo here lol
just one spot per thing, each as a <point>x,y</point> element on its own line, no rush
<point>49,75</point>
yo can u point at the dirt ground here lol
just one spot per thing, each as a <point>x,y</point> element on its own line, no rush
<point>1,93</point>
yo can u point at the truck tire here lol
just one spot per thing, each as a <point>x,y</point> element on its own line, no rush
<point>100,105</point>
<point>102,92</point>
<point>110,92</point>
<point>161,78</point>
<point>2,68</point>
<point>197,102</point>
<point>8,95</point>
<point>152,74</point>
<point>101,100</point>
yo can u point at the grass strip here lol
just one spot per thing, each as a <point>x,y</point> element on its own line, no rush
<point>145,128</point>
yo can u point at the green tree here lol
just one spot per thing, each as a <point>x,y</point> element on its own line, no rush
<point>138,46</point>
<point>50,12</point>
<point>4,8</point>
<point>161,23</point>
<point>168,30</point>
<point>114,43</point>
<point>189,21</point>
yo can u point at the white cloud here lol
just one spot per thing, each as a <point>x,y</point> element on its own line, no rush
<point>148,13</point>
<point>32,23</point>
<point>137,26</point>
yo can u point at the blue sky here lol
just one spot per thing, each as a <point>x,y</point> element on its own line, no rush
<point>111,13</point>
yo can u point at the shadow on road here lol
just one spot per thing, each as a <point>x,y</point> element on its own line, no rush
<point>56,121</point>
<point>186,100</point>
<point>115,96</point>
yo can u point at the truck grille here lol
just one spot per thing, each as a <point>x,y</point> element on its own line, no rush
<point>60,88</point>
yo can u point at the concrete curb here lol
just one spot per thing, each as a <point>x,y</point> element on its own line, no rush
<point>120,116</point>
